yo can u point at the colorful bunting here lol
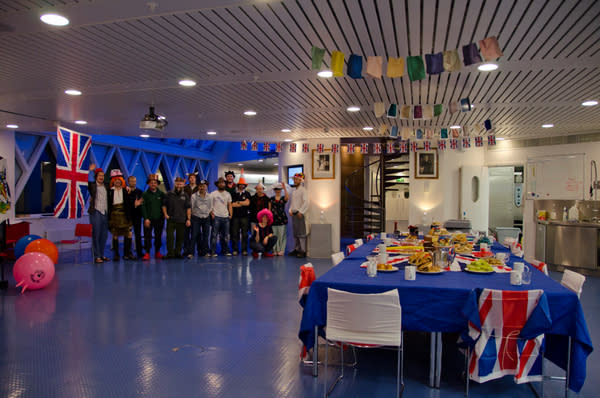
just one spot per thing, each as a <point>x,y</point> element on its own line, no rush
<point>337,63</point>
<point>427,145</point>
<point>392,112</point>
<point>394,132</point>
<point>453,143</point>
<point>254,145</point>
<point>427,112</point>
<point>471,54</point>
<point>317,57</point>
<point>465,105</point>
<point>419,134</point>
<point>418,112</point>
<point>320,148</point>
<point>441,145</point>
<point>244,146</point>
<point>453,107</point>
<point>403,146</point>
<point>305,148</point>
<point>488,124</point>
<point>293,147</point>
<point>335,148</point>
<point>428,133</point>
<point>466,142</point>
<point>267,147</point>
<point>374,67</point>
<point>389,147</point>
<point>437,109</point>
<point>444,133</point>
<point>355,66</point>
<point>395,67</point>
<point>451,61</point>
<point>383,128</point>
<point>478,141</point>
<point>490,49</point>
<point>364,148</point>
<point>377,148</point>
<point>413,146</point>
<point>350,148</point>
<point>406,133</point>
<point>491,140</point>
<point>278,147</point>
<point>405,112</point>
<point>379,109</point>
<point>416,69</point>
<point>435,63</point>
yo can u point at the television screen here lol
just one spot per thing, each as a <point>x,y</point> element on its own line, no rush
<point>293,170</point>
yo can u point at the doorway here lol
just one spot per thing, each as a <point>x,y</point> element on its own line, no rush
<point>506,197</point>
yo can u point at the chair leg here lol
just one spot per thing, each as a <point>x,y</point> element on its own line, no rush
<point>568,368</point>
<point>329,390</point>
<point>400,371</point>
<point>467,371</point>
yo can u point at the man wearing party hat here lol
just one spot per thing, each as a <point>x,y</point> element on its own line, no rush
<point>298,209</point>
<point>119,215</point>
<point>153,217</point>
<point>239,222</point>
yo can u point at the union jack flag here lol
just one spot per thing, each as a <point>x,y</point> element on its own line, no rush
<point>335,148</point>
<point>427,145</point>
<point>71,172</point>
<point>413,146</point>
<point>244,145</point>
<point>390,147</point>
<point>350,148</point>
<point>293,147</point>
<point>364,148</point>
<point>491,140</point>
<point>495,323</point>
<point>441,145</point>
<point>478,141</point>
<point>453,143</point>
<point>278,147</point>
<point>403,146</point>
<point>320,148</point>
<point>466,142</point>
<point>267,147</point>
<point>305,148</point>
<point>254,146</point>
<point>377,148</point>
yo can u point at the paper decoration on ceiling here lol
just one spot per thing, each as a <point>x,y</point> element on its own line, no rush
<point>465,105</point>
<point>337,63</point>
<point>394,131</point>
<point>374,66</point>
<point>419,134</point>
<point>427,112</point>
<point>418,112</point>
<point>453,107</point>
<point>405,112</point>
<point>317,57</point>
<point>379,109</point>
<point>488,124</point>
<point>444,133</point>
<point>435,63</point>
<point>406,133</point>
<point>451,61</point>
<point>355,66</point>
<point>471,54</point>
<point>441,145</point>
<point>395,67</point>
<point>437,109</point>
<point>416,69</point>
<point>383,129</point>
<point>490,49</point>
<point>429,133</point>
<point>392,112</point>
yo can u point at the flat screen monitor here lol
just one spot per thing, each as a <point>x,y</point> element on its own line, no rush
<point>299,168</point>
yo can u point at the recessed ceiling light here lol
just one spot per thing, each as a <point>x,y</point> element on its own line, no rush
<point>12,126</point>
<point>455,127</point>
<point>500,138</point>
<point>590,103</point>
<point>325,73</point>
<point>240,164</point>
<point>353,108</point>
<point>82,122</point>
<point>187,83</point>
<point>72,92</point>
<point>211,132</point>
<point>260,160</point>
<point>547,126</point>
<point>487,67</point>
<point>286,130</point>
<point>144,135</point>
<point>54,19</point>
<point>250,113</point>
<point>288,140</point>
<point>368,128</point>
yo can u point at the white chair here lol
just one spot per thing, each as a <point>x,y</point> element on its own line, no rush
<point>358,242</point>
<point>364,320</point>
<point>337,258</point>
<point>573,281</point>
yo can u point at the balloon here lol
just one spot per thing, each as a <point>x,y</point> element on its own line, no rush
<point>33,271</point>
<point>43,246</point>
<point>22,244</point>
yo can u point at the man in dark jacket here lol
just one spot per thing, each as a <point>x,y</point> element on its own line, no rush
<point>98,212</point>
<point>153,217</point>
<point>135,198</point>
<point>190,189</point>
<point>239,222</point>
<point>177,211</point>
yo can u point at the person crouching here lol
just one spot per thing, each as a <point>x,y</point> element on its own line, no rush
<point>263,239</point>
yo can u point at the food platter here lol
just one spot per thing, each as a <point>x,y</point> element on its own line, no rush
<point>431,273</point>
<point>478,272</point>
<point>393,269</point>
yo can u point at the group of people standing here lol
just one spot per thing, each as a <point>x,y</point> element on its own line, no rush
<point>195,218</point>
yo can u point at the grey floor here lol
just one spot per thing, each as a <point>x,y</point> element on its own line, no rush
<point>222,327</point>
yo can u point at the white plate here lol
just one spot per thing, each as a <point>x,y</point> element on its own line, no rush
<point>394,269</point>
<point>431,273</point>
<point>478,272</point>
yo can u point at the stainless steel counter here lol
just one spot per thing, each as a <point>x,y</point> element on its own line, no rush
<point>574,244</point>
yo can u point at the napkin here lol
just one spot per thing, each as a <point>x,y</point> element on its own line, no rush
<point>455,266</point>
<point>393,261</point>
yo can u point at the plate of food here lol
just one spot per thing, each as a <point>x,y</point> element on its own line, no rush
<point>386,268</point>
<point>424,263</point>
<point>479,267</point>
<point>434,270</point>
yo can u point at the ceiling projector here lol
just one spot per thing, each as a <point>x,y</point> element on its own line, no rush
<point>152,121</point>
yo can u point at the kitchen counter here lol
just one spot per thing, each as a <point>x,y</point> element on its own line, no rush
<point>581,224</point>
<point>571,244</point>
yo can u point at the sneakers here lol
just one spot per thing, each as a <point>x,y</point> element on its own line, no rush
<point>268,254</point>
<point>190,256</point>
<point>213,254</point>
<point>301,254</point>
<point>235,253</point>
<point>207,255</point>
<point>158,256</point>
<point>244,253</point>
<point>146,256</point>
<point>228,254</point>
<point>293,253</point>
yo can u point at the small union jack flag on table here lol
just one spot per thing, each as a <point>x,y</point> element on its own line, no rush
<point>335,148</point>
<point>71,172</point>
<point>441,145</point>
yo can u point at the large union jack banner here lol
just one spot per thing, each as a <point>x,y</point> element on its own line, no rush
<point>71,172</point>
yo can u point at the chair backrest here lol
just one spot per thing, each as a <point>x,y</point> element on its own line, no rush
<point>350,249</point>
<point>540,265</point>
<point>364,318</point>
<point>358,242</point>
<point>307,277</point>
<point>573,281</point>
<point>337,258</point>
<point>370,237</point>
<point>83,230</point>
<point>506,310</point>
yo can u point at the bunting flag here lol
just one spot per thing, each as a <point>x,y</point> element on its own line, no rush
<point>392,111</point>
<point>418,112</point>
<point>350,148</point>
<point>337,63</point>
<point>377,148</point>
<point>405,112</point>
<point>419,134</point>
<point>379,109</point>
<point>427,112</point>
<point>278,147</point>
<point>389,147</point>
<point>453,143</point>
<point>416,69</point>
<point>455,133</point>
<point>435,63</point>
<point>394,132</point>
<point>441,145</point>
<point>383,128</point>
<point>488,124</point>
<point>453,107</point>
<point>427,145</point>
<point>451,61</point>
<point>395,67</point>
<point>491,140</point>
<point>335,148</point>
<point>466,142</point>
<point>444,133</point>
<point>478,141</point>
<point>364,148</point>
<point>471,54</point>
<point>320,148</point>
<point>465,105</point>
<point>466,131</point>
<point>293,147</point>
<point>374,67</point>
<point>406,133</point>
<point>403,146</point>
<point>317,57</point>
<point>437,109</point>
<point>413,146</point>
<point>244,146</point>
<point>355,66</point>
<point>254,146</point>
<point>428,133</point>
<point>267,147</point>
<point>490,49</point>
<point>305,148</point>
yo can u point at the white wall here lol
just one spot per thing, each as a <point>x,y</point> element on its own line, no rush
<point>7,151</point>
<point>323,194</point>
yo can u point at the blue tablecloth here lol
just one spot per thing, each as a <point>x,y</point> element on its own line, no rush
<point>433,303</point>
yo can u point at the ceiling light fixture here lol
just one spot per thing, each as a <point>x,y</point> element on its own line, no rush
<point>325,73</point>
<point>368,128</point>
<point>286,130</point>
<point>72,92</point>
<point>12,126</point>
<point>455,127</point>
<point>353,108</point>
<point>187,83</point>
<point>500,138</point>
<point>250,113</point>
<point>82,122</point>
<point>288,140</point>
<point>54,20</point>
<point>240,164</point>
<point>589,103</point>
<point>487,67</point>
<point>547,126</point>
<point>211,132</point>
<point>260,160</point>
<point>145,135</point>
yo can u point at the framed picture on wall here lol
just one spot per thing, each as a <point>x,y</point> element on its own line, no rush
<point>426,164</point>
<point>323,165</point>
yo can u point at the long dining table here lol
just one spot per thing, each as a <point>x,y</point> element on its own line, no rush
<point>434,303</point>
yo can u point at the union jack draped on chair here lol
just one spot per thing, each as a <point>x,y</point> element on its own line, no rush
<point>506,331</point>
<point>71,172</point>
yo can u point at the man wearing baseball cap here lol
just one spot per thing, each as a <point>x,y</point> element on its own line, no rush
<point>153,217</point>
<point>177,212</point>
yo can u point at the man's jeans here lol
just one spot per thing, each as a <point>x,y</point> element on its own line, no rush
<point>220,227</point>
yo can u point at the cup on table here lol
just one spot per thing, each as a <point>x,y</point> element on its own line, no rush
<point>410,272</point>
<point>526,276</point>
<point>518,266</point>
<point>383,235</point>
<point>372,266</point>
<point>502,257</point>
<point>515,277</point>
<point>483,247</point>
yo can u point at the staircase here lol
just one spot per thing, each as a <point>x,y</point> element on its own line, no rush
<point>365,211</point>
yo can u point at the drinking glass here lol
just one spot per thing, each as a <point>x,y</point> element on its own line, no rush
<point>526,276</point>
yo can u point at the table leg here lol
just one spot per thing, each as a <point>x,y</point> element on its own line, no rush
<point>431,359</point>
<point>315,371</point>
<point>435,359</point>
